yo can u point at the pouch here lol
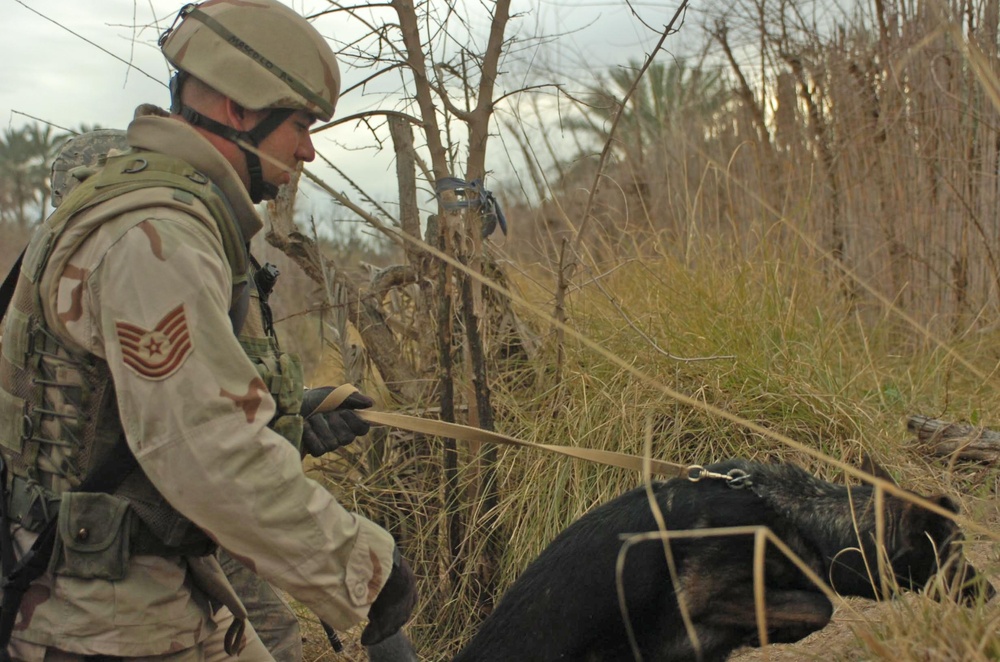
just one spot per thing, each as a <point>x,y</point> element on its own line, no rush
<point>289,392</point>
<point>92,538</point>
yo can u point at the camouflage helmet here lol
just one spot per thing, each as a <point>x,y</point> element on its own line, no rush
<point>259,53</point>
<point>79,156</point>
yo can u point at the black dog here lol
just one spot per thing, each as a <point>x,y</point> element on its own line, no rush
<point>565,605</point>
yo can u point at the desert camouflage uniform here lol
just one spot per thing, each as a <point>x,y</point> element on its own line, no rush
<point>273,620</point>
<point>149,293</point>
<point>269,614</point>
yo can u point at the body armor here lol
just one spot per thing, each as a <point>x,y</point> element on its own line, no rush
<point>281,372</point>
<point>58,412</point>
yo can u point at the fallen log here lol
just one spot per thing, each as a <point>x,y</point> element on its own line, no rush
<point>959,440</point>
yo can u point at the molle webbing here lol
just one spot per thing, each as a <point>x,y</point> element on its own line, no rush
<point>139,170</point>
<point>280,372</point>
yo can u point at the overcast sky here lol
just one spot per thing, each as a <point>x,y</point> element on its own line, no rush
<point>57,76</point>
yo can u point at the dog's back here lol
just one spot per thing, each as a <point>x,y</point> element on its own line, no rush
<point>565,605</point>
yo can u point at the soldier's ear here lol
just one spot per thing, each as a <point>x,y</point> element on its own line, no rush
<point>870,466</point>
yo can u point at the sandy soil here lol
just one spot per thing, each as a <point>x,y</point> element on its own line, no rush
<point>835,641</point>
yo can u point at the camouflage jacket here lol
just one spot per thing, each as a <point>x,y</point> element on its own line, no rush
<point>149,292</point>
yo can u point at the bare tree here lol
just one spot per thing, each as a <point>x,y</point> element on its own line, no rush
<point>449,99</point>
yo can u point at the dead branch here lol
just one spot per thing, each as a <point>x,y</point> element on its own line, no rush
<point>956,440</point>
<point>479,120</point>
<point>364,309</point>
<point>365,115</point>
<point>409,212</point>
<point>406,12</point>
<point>721,34</point>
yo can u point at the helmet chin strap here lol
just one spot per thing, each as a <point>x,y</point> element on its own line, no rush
<point>259,189</point>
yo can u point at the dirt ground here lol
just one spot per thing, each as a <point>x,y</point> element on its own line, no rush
<point>835,641</point>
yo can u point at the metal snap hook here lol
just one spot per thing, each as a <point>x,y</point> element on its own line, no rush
<point>137,165</point>
<point>735,478</point>
<point>695,473</point>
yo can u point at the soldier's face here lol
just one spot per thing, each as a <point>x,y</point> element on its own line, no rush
<point>289,144</point>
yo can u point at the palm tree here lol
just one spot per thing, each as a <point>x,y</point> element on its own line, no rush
<point>46,145</point>
<point>25,155</point>
<point>668,96</point>
<point>15,166</point>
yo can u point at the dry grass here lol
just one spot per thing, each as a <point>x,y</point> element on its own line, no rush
<point>781,349</point>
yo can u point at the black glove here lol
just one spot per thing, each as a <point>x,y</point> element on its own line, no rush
<point>393,605</point>
<point>329,430</point>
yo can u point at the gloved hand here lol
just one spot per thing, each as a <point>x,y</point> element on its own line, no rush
<point>393,605</point>
<point>329,430</point>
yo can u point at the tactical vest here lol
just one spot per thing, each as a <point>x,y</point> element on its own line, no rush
<point>281,372</point>
<point>59,418</point>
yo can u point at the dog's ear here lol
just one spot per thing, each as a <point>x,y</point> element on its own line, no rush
<point>947,503</point>
<point>917,522</point>
<point>870,466</point>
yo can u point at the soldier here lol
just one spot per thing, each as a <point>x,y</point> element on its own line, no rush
<point>137,432</point>
<point>271,617</point>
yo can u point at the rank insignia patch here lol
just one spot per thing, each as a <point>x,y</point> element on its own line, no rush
<point>157,353</point>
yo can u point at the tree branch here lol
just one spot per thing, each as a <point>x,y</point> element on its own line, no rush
<point>366,114</point>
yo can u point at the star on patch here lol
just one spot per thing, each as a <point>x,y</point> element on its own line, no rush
<point>159,352</point>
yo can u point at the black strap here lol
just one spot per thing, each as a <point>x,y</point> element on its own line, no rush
<point>30,567</point>
<point>254,137</point>
<point>264,278</point>
<point>7,556</point>
<point>9,283</point>
<point>17,576</point>
<point>194,118</point>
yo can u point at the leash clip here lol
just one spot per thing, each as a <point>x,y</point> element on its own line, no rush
<point>735,478</point>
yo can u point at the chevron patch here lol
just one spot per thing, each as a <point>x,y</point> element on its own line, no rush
<point>158,353</point>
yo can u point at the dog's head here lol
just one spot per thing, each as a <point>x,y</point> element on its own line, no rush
<point>920,545</point>
<point>927,545</point>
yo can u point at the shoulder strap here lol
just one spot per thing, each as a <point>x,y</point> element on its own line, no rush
<point>9,283</point>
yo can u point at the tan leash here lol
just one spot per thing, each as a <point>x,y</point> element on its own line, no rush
<point>468,433</point>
